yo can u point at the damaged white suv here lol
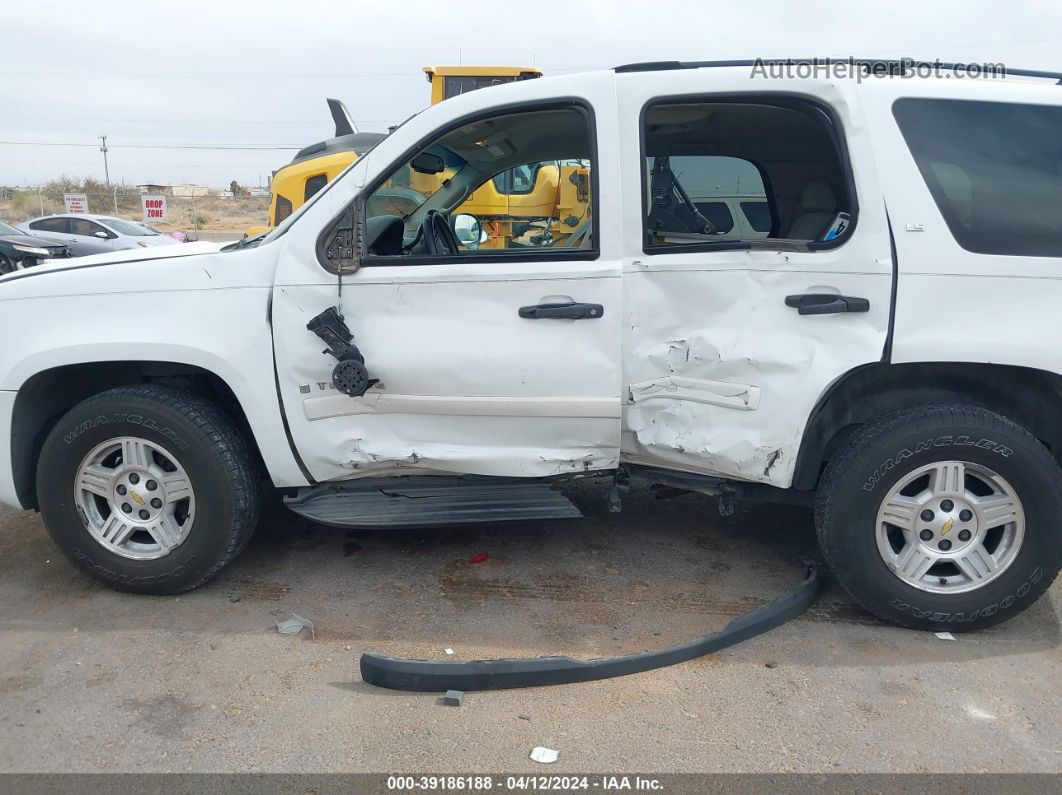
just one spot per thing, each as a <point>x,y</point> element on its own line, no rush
<point>880,327</point>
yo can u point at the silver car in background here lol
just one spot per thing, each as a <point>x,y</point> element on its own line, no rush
<point>95,234</point>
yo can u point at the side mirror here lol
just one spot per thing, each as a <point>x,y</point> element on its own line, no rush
<point>427,163</point>
<point>469,230</point>
<point>101,235</point>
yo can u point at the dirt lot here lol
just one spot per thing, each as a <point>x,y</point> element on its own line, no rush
<point>92,680</point>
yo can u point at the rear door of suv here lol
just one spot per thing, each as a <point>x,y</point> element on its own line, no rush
<point>729,344</point>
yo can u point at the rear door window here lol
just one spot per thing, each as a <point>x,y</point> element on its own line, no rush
<point>994,170</point>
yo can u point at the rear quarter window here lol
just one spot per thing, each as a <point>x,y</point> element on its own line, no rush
<point>994,170</point>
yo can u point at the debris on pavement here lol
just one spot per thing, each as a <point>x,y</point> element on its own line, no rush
<point>479,557</point>
<point>448,651</point>
<point>453,698</point>
<point>944,635</point>
<point>524,717</point>
<point>771,664</point>
<point>546,756</point>
<point>295,625</point>
<point>234,599</point>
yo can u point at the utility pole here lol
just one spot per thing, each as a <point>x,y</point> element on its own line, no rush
<point>106,171</point>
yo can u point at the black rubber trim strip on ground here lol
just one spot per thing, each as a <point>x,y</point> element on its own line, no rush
<point>430,675</point>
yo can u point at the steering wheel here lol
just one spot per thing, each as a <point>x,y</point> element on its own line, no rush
<point>439,238</point>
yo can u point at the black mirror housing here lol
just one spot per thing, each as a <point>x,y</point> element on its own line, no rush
<point>427,163</point>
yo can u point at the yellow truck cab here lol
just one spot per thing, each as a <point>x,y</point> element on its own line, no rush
<point>450,81</point>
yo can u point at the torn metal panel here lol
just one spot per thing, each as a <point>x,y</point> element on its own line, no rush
<point>465,384</point>
<point>722,374</point>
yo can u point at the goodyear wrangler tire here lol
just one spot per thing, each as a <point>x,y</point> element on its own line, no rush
<point>942,517</point>
<point>149,489</point>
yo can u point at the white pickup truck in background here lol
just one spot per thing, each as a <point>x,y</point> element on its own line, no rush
<point>889,344</point>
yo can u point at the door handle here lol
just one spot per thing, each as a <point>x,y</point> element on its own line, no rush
<point>570,310</point>
<point>826,303</point>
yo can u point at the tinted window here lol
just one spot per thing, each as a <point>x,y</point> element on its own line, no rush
<point>718,214</point>
<point>79,226</point>
<point>758,215</point>
<point>50,225</point>
<point>994,170</point>
<point>314,184</point>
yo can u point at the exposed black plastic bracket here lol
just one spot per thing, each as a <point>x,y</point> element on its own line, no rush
<point>349,376</point>
<point>337,246</point>
<point>431,676</point>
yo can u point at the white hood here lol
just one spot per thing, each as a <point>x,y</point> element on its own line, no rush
<point>139,253</point>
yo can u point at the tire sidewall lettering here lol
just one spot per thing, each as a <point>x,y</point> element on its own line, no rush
<point>988,610</point>
<point>922,446</point>
<point>147,423</point>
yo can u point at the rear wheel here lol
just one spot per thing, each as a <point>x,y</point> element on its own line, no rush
<point>942,517</point>
<point>148,489</point>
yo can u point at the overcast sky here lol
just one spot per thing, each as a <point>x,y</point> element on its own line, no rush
<point>237,73</point>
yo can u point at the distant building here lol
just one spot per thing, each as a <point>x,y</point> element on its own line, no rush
<point>190,190</point>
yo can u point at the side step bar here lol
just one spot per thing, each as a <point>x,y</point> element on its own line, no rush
<point>421,501</point>
<point>430,675</point>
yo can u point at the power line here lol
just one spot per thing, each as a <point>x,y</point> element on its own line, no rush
<point>201,121</point>
<point>250,76</point>
<point>244,147</point>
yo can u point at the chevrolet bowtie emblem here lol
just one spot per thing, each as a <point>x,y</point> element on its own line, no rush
<point>944,530</point>
<point>140,500</point>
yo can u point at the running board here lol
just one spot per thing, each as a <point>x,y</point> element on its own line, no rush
<point>424,501</point>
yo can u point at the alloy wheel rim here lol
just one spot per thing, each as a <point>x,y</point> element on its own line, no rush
<point>950,527</point>
<point>135,498</point>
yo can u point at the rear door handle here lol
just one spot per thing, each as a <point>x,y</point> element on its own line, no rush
<point>826,303</point>
<point>570,310</point>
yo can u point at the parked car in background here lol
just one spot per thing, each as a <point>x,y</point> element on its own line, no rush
<point>19,250</point>
<point>95,234</point>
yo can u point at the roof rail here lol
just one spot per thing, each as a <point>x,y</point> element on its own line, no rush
<point>894,66</point>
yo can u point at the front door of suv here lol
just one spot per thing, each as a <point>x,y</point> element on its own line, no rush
<point>729,343</point>
<point>471,377</point>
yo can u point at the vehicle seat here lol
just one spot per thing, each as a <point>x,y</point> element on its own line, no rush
<point>818,206</point>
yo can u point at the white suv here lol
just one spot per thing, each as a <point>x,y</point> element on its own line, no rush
<point>890,343</point>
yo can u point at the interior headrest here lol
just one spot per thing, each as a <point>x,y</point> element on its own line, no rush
<point>818,197</point>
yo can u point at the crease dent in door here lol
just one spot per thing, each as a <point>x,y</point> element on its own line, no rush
<point>703,395</point>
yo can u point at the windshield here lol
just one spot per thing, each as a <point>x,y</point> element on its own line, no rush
<point>407,190</point>
<point>150,229</point>
<point>7,229</point>
<point>131,228</point>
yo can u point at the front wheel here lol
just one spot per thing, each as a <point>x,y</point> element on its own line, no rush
<point>942,517</point>
<point>148,489</point>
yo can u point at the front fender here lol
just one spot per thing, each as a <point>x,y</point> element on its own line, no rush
<point>210,312</point>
